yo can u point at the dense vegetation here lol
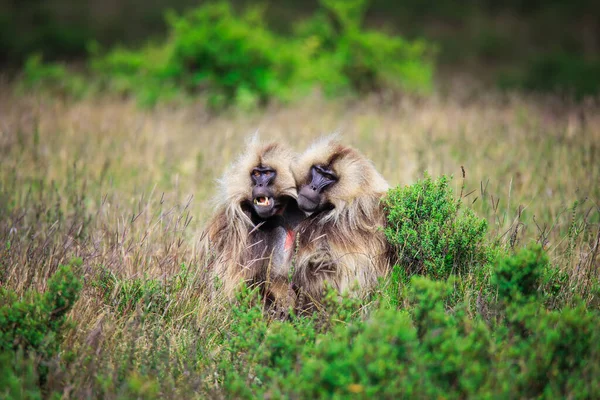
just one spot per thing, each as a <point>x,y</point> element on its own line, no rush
<point>542,46</point>
<point>496,288</point>
<point>229,58</point>
<point>461,316</point>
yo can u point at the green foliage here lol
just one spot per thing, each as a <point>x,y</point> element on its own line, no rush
<point>427,351</point>
<point>249,327</point>
<point>366,359</point>
<point>236,59</point>
<point>529,337</point>
<point>456,351</point>
<point>481,33</point>
<point>235,56</point>
<point>33,325</point>
<point>18,377</point>
<point>430,231</point>
<point>54,77</point>
<point>153,296</point>
<point>263,357</point>
<point>345,55</point>
<point>135,72</point>
<point>36,72</point>
<point>211,50</point>
<point>434,348</point>
<point>518,277</point>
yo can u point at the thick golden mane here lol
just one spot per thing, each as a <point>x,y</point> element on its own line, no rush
<point>226,242</point>
<point>344,246</point>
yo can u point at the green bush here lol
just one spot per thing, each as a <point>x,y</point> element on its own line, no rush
<point>33,325</point>
<point>456,352</point>
<point>53,77</point>
<point>235,56</point>
<point>430,231</point>
<point>434,348</point>
<point>139,73</point>
<point>346,55</point>
<point>36,73</point>
<point>519,277</point>
<point>234,59</point>
<point>18,377</point>
<point>426,351</point>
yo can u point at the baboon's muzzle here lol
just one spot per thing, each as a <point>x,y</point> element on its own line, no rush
<point>308,199</point>
<point>263,202</point>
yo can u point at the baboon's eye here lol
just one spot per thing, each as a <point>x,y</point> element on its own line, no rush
<point>263,175</point>
<point>321,178</point>
<point>326,172</point>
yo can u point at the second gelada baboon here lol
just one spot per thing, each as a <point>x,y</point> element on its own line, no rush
<point>341,242</point>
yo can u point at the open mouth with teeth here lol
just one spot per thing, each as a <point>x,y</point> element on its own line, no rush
<point>262,201</point>
<point>265,206</point>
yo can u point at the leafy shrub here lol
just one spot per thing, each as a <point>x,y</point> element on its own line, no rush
<point>53,77</point>
<point>432,349</point>
<point>237,59</point>
<point>236,364</point>
<point>456,352</point>
<point>562,345</point>
<point>33,325</point>
<point>36,72</point>
<point>231,54</point>
<point>427,351</point>
<point>18,377</point>
<point>364,60</point>
<point>518,277</point>
<point>527,346</point>
<point>430,231</point>
<point>140,73</point>
<point>365,359</point>
<point>233,58</point>
<point>261,356</point>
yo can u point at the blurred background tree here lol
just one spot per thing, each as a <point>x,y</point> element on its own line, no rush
<point>535,44</point>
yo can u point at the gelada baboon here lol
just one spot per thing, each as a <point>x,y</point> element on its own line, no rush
<point>341,241</point>
<point>251,234</point>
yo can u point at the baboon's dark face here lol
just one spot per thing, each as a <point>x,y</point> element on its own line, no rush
<point>265,200</point>
<point>312,196</point>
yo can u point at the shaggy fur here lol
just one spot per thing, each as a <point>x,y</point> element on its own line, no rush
<point>344,243</point>
<point>243,247</point>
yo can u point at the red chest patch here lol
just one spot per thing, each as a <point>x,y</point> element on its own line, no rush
<point>290,236</point>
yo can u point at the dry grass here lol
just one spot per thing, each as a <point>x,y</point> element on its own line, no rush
<point>128,189</point>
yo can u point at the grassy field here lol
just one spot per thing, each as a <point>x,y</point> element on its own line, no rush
<point>128,190</point>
